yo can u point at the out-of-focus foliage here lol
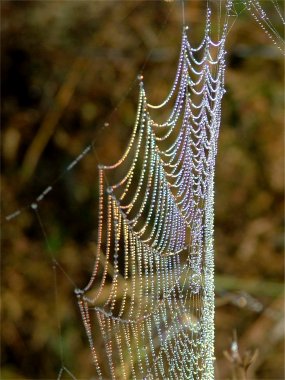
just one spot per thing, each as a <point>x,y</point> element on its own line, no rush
<point>70,67</point>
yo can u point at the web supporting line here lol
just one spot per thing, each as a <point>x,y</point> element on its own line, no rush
<point>183,13</point>
<point>262,19</point>
<point>55,266</point>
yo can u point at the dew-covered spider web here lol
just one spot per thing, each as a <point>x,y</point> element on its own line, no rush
<point>153,303</point>
<point>157,233</point>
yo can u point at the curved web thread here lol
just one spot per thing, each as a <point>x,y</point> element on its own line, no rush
<point>155,232</point>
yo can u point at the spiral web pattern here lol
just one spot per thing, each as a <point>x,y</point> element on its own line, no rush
<point>155,235</point>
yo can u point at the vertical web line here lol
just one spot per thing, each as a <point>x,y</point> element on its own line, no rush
<point>183,13</point>
<point>55,267</point>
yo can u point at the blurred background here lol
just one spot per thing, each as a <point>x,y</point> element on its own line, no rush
<point>69,76</point>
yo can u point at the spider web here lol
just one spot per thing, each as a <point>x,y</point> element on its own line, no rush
<point>155,235</point>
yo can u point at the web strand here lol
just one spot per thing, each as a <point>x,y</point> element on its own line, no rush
<point>55,267</point>
<point>262,19</point>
